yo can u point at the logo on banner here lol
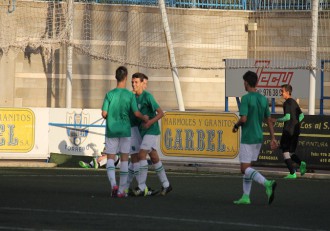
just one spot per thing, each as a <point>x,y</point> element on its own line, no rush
<point>270,81</point>
<point>78,132</point>
<point>272,74</point>
<point>17,130</point>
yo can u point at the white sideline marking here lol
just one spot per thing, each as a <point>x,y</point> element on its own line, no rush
<point>175,175</point>
<point>22,229</point>
<point>263,227</point>
<point>34,175</point>
<point>13,228</point>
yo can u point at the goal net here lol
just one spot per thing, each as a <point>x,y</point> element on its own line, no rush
<point>128,34</point>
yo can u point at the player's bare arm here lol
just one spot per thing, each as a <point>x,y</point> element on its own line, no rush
<point>273,142</point>
<point>139,115</point>
<point>104,114</point>
<point>159,115</point>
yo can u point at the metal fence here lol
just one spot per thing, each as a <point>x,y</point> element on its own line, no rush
<point>226,4</point>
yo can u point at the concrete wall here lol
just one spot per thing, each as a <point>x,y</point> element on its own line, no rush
<point>28,81</point>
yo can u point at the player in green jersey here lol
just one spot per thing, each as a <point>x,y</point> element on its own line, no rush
<point>253,110</point>
<point>150,132</point>
<point>117,106</point>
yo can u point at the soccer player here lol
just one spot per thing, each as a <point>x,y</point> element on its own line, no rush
<point>149,132</point>
<point>253,110</point>
<point>136,140</point>
<point>291,131</point>
<point>118,104</point>
<point>98,161</point>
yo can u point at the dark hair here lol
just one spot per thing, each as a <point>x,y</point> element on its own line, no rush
<point>121,73</point>
<point>251,78</point>
<point>139,75</point>
<point>145,77</point>
<point>287,88</point>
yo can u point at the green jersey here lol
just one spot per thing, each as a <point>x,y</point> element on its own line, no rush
<point>148,106</point>
<point>120,103</point>
<point>255,107</point>
<point>134,120</point>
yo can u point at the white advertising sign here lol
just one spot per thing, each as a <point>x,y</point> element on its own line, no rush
<point>23,134</point>
<point>76,131</point>
<point>270,78</point>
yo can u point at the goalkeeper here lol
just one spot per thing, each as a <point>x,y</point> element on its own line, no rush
<point>291,131</point>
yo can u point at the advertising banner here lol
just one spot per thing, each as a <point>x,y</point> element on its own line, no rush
<point>76,131</point>
<point>313,146</point>
<point>270,79</point>
<point>23,134</point>
<point>195,134</point>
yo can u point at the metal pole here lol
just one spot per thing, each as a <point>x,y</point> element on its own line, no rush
<point>175,74</point>
<point>322,87</point>
<point>226,104</point>
<point>68,99</point>
<point>313,58</point>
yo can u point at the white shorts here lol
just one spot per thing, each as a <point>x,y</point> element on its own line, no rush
<point>149,142</point>
<point>115,145</point>
<point>249,152</point>
<point>136,140</point>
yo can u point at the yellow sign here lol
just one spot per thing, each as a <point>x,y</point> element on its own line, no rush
<point>197,134</point>
<point>17,129</point>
